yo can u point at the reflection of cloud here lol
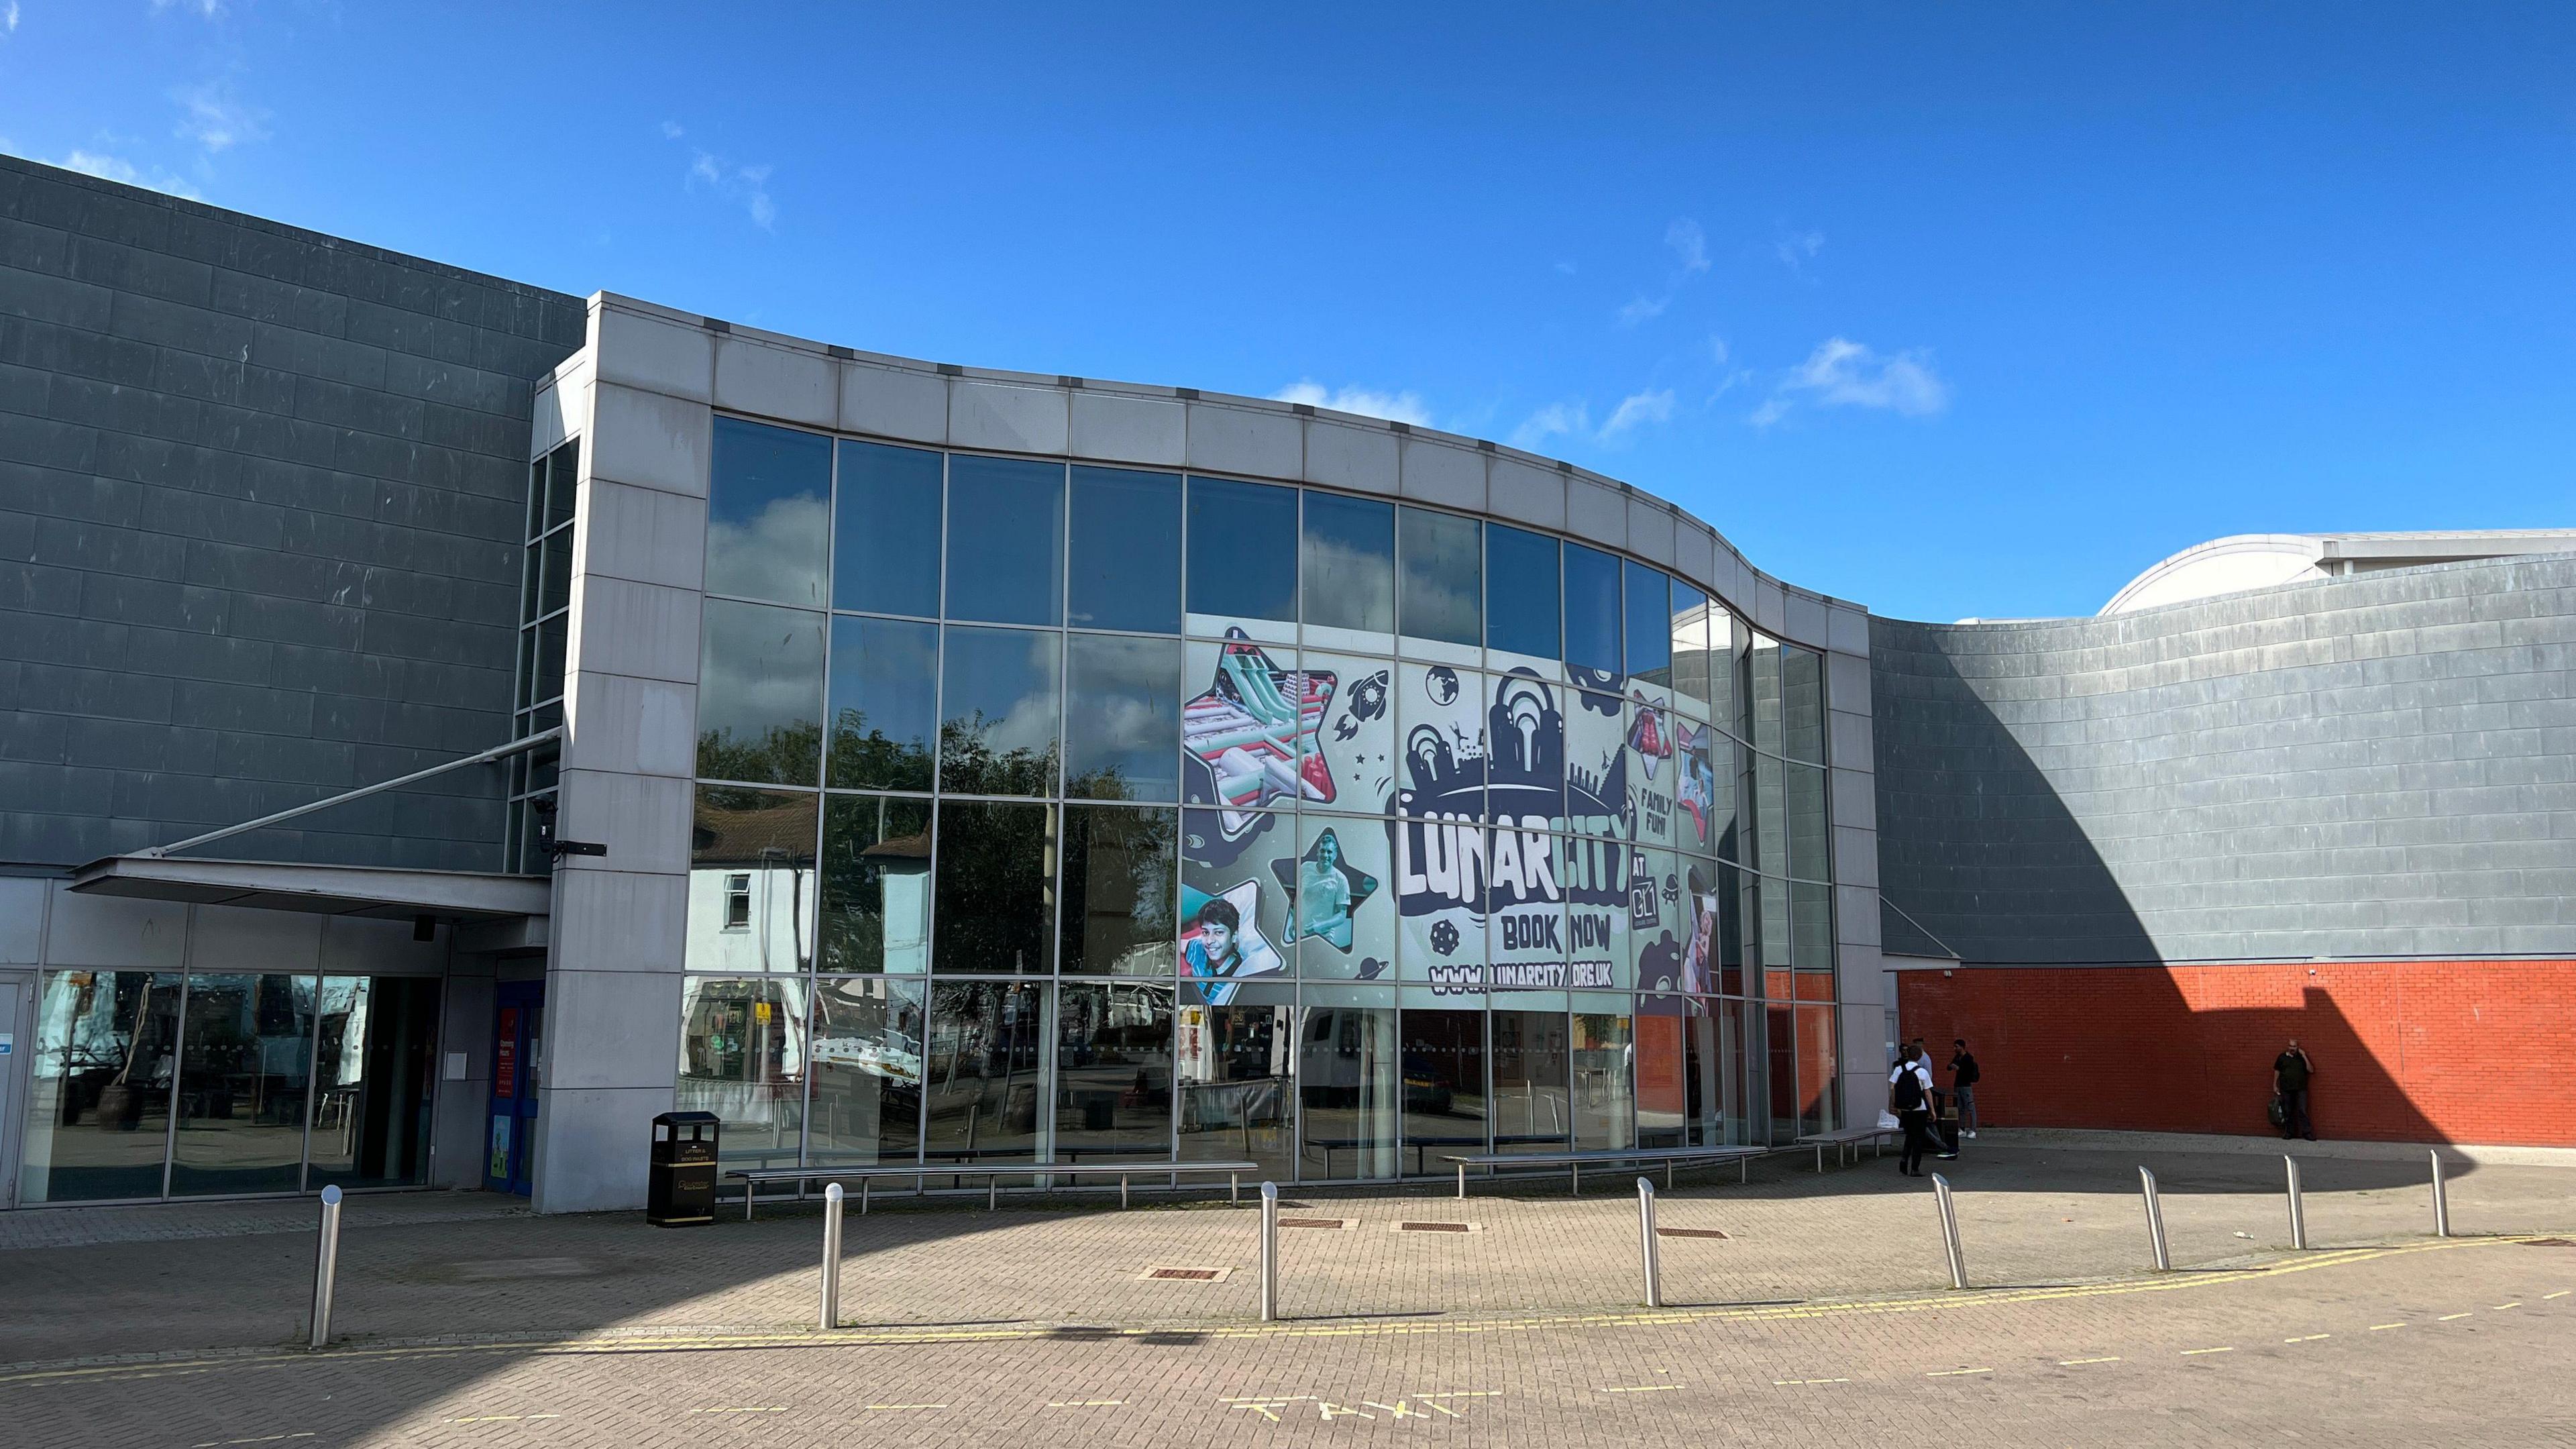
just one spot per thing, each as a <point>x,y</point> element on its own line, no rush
<point>1395,407</point>
<point>777,553</point>
<point>761,668</point>
<point>1362,585</point>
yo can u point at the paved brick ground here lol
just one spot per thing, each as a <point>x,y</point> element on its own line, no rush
<point>1020,1320</point>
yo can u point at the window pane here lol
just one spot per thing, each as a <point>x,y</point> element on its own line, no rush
<point>1596,764</point>
<point>1126,551</point>
<point>751,881</point>
<point>1249,731</point>
<point>883,703</point>
<point>768,513</point>
<point>1113,1071</point>
<point>867,1072</point>
<point>1444,1085</point>
<point>563,477</point>
<point>1690,649</point>
<point>374,1071</point>
<point>1650,625</point>
<point>1234,910</point>
<point>1802,703</point>
<point>760,694</point>
<point>1762,694</point>
<point>1349,1084</point>
<point>1521,607</point>
<point>99,1115</point>
<point>987,1041</point>
<point>1122,718</point>
<point>1596,878</point>
<point>1811,927</point>
<point>1340,907</point>
<point>996,889</point>
<point>876,884</point>
<point>1591,609</point>
<point>1532,1112</point>
<point>1347,762</point>
<point>1350,566</point>
<point>244,1064</point>
<point>1243,553</point>
<point>1121,872</point>
<point>1809,858</point>
<point>1234,1070</point>
<point>998,695</point>
<point>1819,1082</point>
<point>1704,789</point>
<point>1006,550</point>
<point>554,572</point>
<point>1726,636</point>
<point>885,530</point>
<point>742,1057</point>
<point>1440,721</point>
<point>1442,584</point>
<point>1605,1108</point>
<point>1659,925</point>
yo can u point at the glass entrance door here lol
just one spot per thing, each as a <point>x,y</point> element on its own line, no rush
<point>518,1038</point>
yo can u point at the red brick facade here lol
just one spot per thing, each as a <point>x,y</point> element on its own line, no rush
<point>2414,1051</point>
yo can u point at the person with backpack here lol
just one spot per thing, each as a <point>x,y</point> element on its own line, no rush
<point>1963,1085</point>
<point>1909,1096</point>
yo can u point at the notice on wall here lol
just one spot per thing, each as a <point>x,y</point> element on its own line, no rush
<point>505,1058</point>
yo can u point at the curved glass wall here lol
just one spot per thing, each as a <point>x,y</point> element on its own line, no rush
<point>1059,811</point>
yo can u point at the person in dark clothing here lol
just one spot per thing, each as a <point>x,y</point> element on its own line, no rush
<point>1963,1085</point>
<point>1909,1096</point>
<point>2291,1073</point>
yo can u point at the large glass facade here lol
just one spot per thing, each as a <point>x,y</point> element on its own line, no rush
<point>1153,815</point>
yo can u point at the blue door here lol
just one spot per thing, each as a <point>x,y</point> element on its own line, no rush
<point>518,1036</point>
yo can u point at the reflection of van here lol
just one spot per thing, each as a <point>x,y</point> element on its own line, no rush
<point>1426,1087</point>
<point>1342,1047</point>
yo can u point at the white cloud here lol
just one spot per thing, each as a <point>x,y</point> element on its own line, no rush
<point>1395,407</point>
<point>1643,309</point>
<point>1556,419</point>
<point>1688,243</point>
<point>1794,248</point>
<point>1717,350</point>
<point>1638,409</point>
<point>748,185</point>
<point>117,168</point>
<point>672,131</point>
<point>9,18</point>
<point>215,119</point>
<point>210,9</point>
<point>1565,267</point>
<point>1844,373</point>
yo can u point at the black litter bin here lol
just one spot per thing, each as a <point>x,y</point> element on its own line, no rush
<point>682,1186</point>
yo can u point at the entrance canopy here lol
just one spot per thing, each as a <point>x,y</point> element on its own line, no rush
<point>333,890</point>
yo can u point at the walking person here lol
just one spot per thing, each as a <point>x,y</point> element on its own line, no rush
<point>1963,1085</point>
<point>1909,1096</point>
<point>2291,1073</point>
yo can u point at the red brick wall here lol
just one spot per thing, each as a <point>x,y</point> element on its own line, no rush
<point>2413,1051</point>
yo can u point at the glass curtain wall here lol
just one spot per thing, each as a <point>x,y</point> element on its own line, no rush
<point>1124,813</point>
<point>161,1084</point>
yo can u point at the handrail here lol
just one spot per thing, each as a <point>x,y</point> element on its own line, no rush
<point>497,752</point>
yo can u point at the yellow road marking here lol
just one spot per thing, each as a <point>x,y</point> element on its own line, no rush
<point>1956,1373</point>
<point>2188,1352</point>
<point>2307,1338</point>
<point>1463,1394</point>
<point>888,1408</point>
<point>2072,1362</point>
<point>2376,1327</point>
<point>516,1418</point>
<point>768,1409</point>
<point>665,1341</point>
<point>1087,1404</point>
<point>1643,1389</point>
<point>1403,1409</point>
<point>1782,1383</point>
<point>2561,1293</point>
<point>2448,1317</point>
<point>1267,1399</point>
<point>2501,1307</point>
<point>262,1439</point>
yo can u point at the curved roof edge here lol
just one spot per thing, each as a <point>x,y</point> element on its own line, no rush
<point>750,370</point>
<point>2246,561</point>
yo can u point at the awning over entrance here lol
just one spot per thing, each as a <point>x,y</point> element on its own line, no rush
<point>335,890</point>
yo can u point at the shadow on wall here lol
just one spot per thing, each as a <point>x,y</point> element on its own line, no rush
<point>1973,842</point>
<point>2429,1051</point>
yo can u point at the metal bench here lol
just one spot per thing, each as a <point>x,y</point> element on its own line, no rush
<point>1670,1157</point>
<point>992,1173</point>
<point>1849,1137</point>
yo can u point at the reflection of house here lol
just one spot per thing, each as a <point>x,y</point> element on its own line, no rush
<point>751,891</point>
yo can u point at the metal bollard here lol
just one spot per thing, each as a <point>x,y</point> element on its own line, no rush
<point>2298,1211</point>
<point>831,1315</point>
<point>1950,1231</point>
<point>2441,1200</point>
<point>2155,1220</point>
<point>326,1265</point>
<point>1269,1252</point>
<point>1651,1251</point>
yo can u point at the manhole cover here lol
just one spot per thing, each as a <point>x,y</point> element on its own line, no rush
<point>1187,1275</point>
<point>1688,1233</point>
<point>1435,1227</point>
<point>1336,1224</point>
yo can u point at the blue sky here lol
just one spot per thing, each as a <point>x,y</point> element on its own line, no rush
<point>1952,310</point>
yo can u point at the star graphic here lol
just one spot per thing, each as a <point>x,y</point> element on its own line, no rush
<point>1250,737</point>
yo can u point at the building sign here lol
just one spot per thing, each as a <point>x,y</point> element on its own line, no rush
<point>505,1058</point>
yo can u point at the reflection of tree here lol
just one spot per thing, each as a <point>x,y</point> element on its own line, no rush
<point>1118,872</point>
<point>786,754</point>
<point>969,765</point>
<point>993,909</point>
<point>868,757</point>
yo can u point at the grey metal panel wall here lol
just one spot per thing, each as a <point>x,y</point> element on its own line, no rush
<point>2381,766</point>
<point>261,494</point>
